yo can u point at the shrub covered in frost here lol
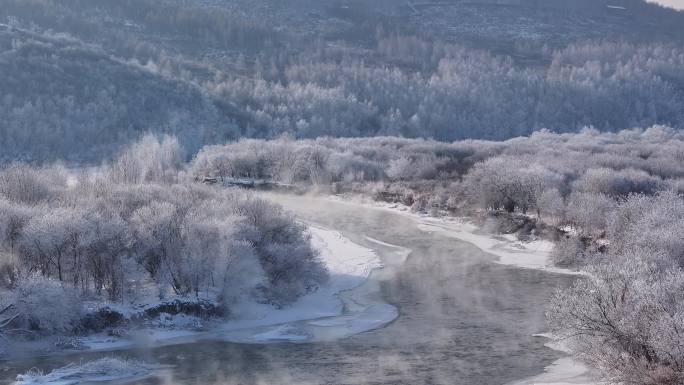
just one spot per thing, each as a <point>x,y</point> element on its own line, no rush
<point>45,305</point>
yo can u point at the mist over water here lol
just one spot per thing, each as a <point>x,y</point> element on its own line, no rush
<point>463,320</point>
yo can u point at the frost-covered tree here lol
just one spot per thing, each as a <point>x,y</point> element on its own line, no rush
<point>626,319</point>
<point>152,159</point>
<point>291,266</point>
<point>48,238</point>
<point>551,205</point>
<point>652,224</point>
<point>589,211</point>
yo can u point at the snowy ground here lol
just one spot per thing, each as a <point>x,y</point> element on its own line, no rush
<point>510,251</point>
<point>106,370</point>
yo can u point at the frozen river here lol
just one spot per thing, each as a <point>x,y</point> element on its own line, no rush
<point>462,319</point>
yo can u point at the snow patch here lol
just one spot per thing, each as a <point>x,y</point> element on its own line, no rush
<point>281,333</point>
<point>564,371</point>
<point>509,250</point>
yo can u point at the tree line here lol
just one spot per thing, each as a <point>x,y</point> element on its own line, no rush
<point>135,231</point>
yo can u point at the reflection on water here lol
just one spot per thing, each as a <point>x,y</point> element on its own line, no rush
<point>462,320</point>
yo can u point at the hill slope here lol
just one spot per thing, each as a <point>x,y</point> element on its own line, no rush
<point>82,77</point>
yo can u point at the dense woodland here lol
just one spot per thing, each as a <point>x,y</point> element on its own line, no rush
<point>136,233</point>
<point>103,73</point>
<point>612,201</point>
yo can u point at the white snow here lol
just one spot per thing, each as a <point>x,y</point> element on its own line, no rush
<point>281,333</point>
<point>509,250</point>
<point>102,370</point>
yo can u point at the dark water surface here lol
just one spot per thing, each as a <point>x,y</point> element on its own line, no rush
<point>462,320</point>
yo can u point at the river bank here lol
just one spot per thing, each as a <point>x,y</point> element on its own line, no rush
<point>335,310</point>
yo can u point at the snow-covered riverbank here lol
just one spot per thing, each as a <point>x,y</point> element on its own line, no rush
<point>509,250</point>
<point>347,304</point>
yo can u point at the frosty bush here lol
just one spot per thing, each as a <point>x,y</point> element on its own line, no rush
<point>589,211</point>
<point>45,305</point>
<point>654,225</point>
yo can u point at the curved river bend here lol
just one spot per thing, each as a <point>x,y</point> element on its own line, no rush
<point>462,320</point>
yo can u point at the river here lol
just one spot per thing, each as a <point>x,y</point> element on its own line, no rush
<point>463,320</point>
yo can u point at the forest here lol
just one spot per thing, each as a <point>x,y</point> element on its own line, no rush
<point>138,232</point>
<point>105,73</point>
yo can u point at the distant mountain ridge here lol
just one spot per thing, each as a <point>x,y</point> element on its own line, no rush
<point>85,77</point>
